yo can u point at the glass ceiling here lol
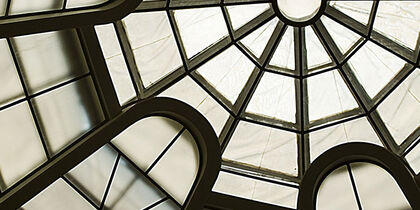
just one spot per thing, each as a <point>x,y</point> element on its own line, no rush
<point>279,90</point>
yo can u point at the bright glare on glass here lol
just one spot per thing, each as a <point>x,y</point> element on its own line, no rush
<point>299,10</point>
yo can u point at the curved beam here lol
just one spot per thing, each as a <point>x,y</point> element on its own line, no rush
<point>57,20</point>
<point>356,152</point>
<point>196,124</point>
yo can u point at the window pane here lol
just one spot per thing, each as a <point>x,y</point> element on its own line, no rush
<point>242,14</point>
<point>24,6</point>
<point>21,150</point>
<point>358,10</point>
<point>284,56</point>
<point>343,37</point>
<point>258,39</point>
<point>83,3</point>
<point>68,112</point>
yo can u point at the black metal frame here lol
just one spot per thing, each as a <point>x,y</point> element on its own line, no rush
<point>85,19</point>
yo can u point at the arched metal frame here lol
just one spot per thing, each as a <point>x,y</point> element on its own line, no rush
<point>357,152</point>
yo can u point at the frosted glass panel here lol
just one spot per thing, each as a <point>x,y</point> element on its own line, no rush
<point>274,98</point>
<point>336,191</point>
<point>413,158</point>
<point>68,112</point>
<point>3,4</point>
<point>49,58</point>
<point>316,54</point>
<point>20,146</point>
<point>130,189</point>
<point>58,195</point>
<point>372,61</point>
<point>284,56</point>
<point>179,163</point>
<point>358,10</point>
<point>115,62</point>
<point>153,44</point>
<point>358,130</point>
<point>10,86</point>
<point>25,6</point>
<point>83,3</point>
<point>92,175</point>
<point>257,40</point>
<point>189,92</point>
<point>399,20</point>
<point>253,189</point>
<point>143,143</point>
<point>377,188</point>
<point>328,95</point>
<point>193,25</point>
<point>400,110</point>
<point>228,72</point>
<point>242,14</point>
<point>263,147</point>
<point>343,37</point>
<point>299,10</point>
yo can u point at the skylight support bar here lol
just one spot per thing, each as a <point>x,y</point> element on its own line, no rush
<point>270,122</point>
<point>177,36</point>
<point>257,22</point>
<point>99,71</point>
<point>111,178</point>
<point>351,116</point>
<point>301,97</point>
<point>81,193</point>
<point>331,120</point>
<point>9,2</point>
<point>219,201</point>
<point>128,55</point>
<point>361,96</point>
<point>32,108</point>
<point>147,6</point>
<point>409,141</point>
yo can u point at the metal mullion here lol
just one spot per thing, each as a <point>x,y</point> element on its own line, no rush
<point>31,106</point>
<point>336,117</point>
<point>411,147</point>
<point>228,22</point>
<point>81,193</point>
<point>257,176</point>
<point>6,12</point>
<point>273,123</point>
<point>156,203</point>
<point>143,173</point>
<point>64,4</point>
<point>111,178</point>
<point>129,59</point>
<point>279,71</point>
<point>254,24</point>
<point>301,94</point>
<point>361,96</point>
<point>323,126</point>
<point>405,145</point>
<point>346,21</point>
<point>177,37</point>
<point>372,17</point>
<point>353,184</point>
<point>165,150</point>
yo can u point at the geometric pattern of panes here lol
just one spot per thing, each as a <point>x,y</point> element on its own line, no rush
<point>277,95</point>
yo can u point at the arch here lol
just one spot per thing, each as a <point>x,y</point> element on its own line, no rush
<point>356,152</point>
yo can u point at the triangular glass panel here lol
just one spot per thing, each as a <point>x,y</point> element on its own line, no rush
<point>375,67</point>
<point>257,40</point>
<point>242,14</point>
<point>284,56</point>
<point>200,28</point>
<point>274,98</point>
<point>343,37</point>
<point>316,54</point>
<point>328,95</point>
<point>228,72</point>
<point>358,10</point>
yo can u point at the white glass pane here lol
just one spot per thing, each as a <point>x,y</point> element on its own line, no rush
<point>400,111</point>
<point>284,56</point>
<point>130,189</point>
<point>194,25</point>
<point>21,150</point>
<point>49,58</point>
<point>316,54</point>
<point>68,112</point>
<point>83,3</point>
<point>343,37</point>
<point>328,95</point>
<point>58,195</point>
<point>358,10</point>
<point>10,86</point>
<point>143,143</point>
<point>25,6</point>
<point>299,10</point>
<point>263,147</point>
<point>166,205</point>
<point>358,130</point>
<point>336,191</point>
<point>257,40</point>
<point>400,21</point>
<point>3,4</point>
<point>253,189</point>
<point>241,14</point>
<point>179,163</point>
<point>153,44</point>
<point>413,158</point>
<point>274,98</point>
<point>228,72</point>
<point>189,92</point>
<point>377,188</point>
<point>92,175</point>
<point>374,67</point>
<point>115,61</point>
